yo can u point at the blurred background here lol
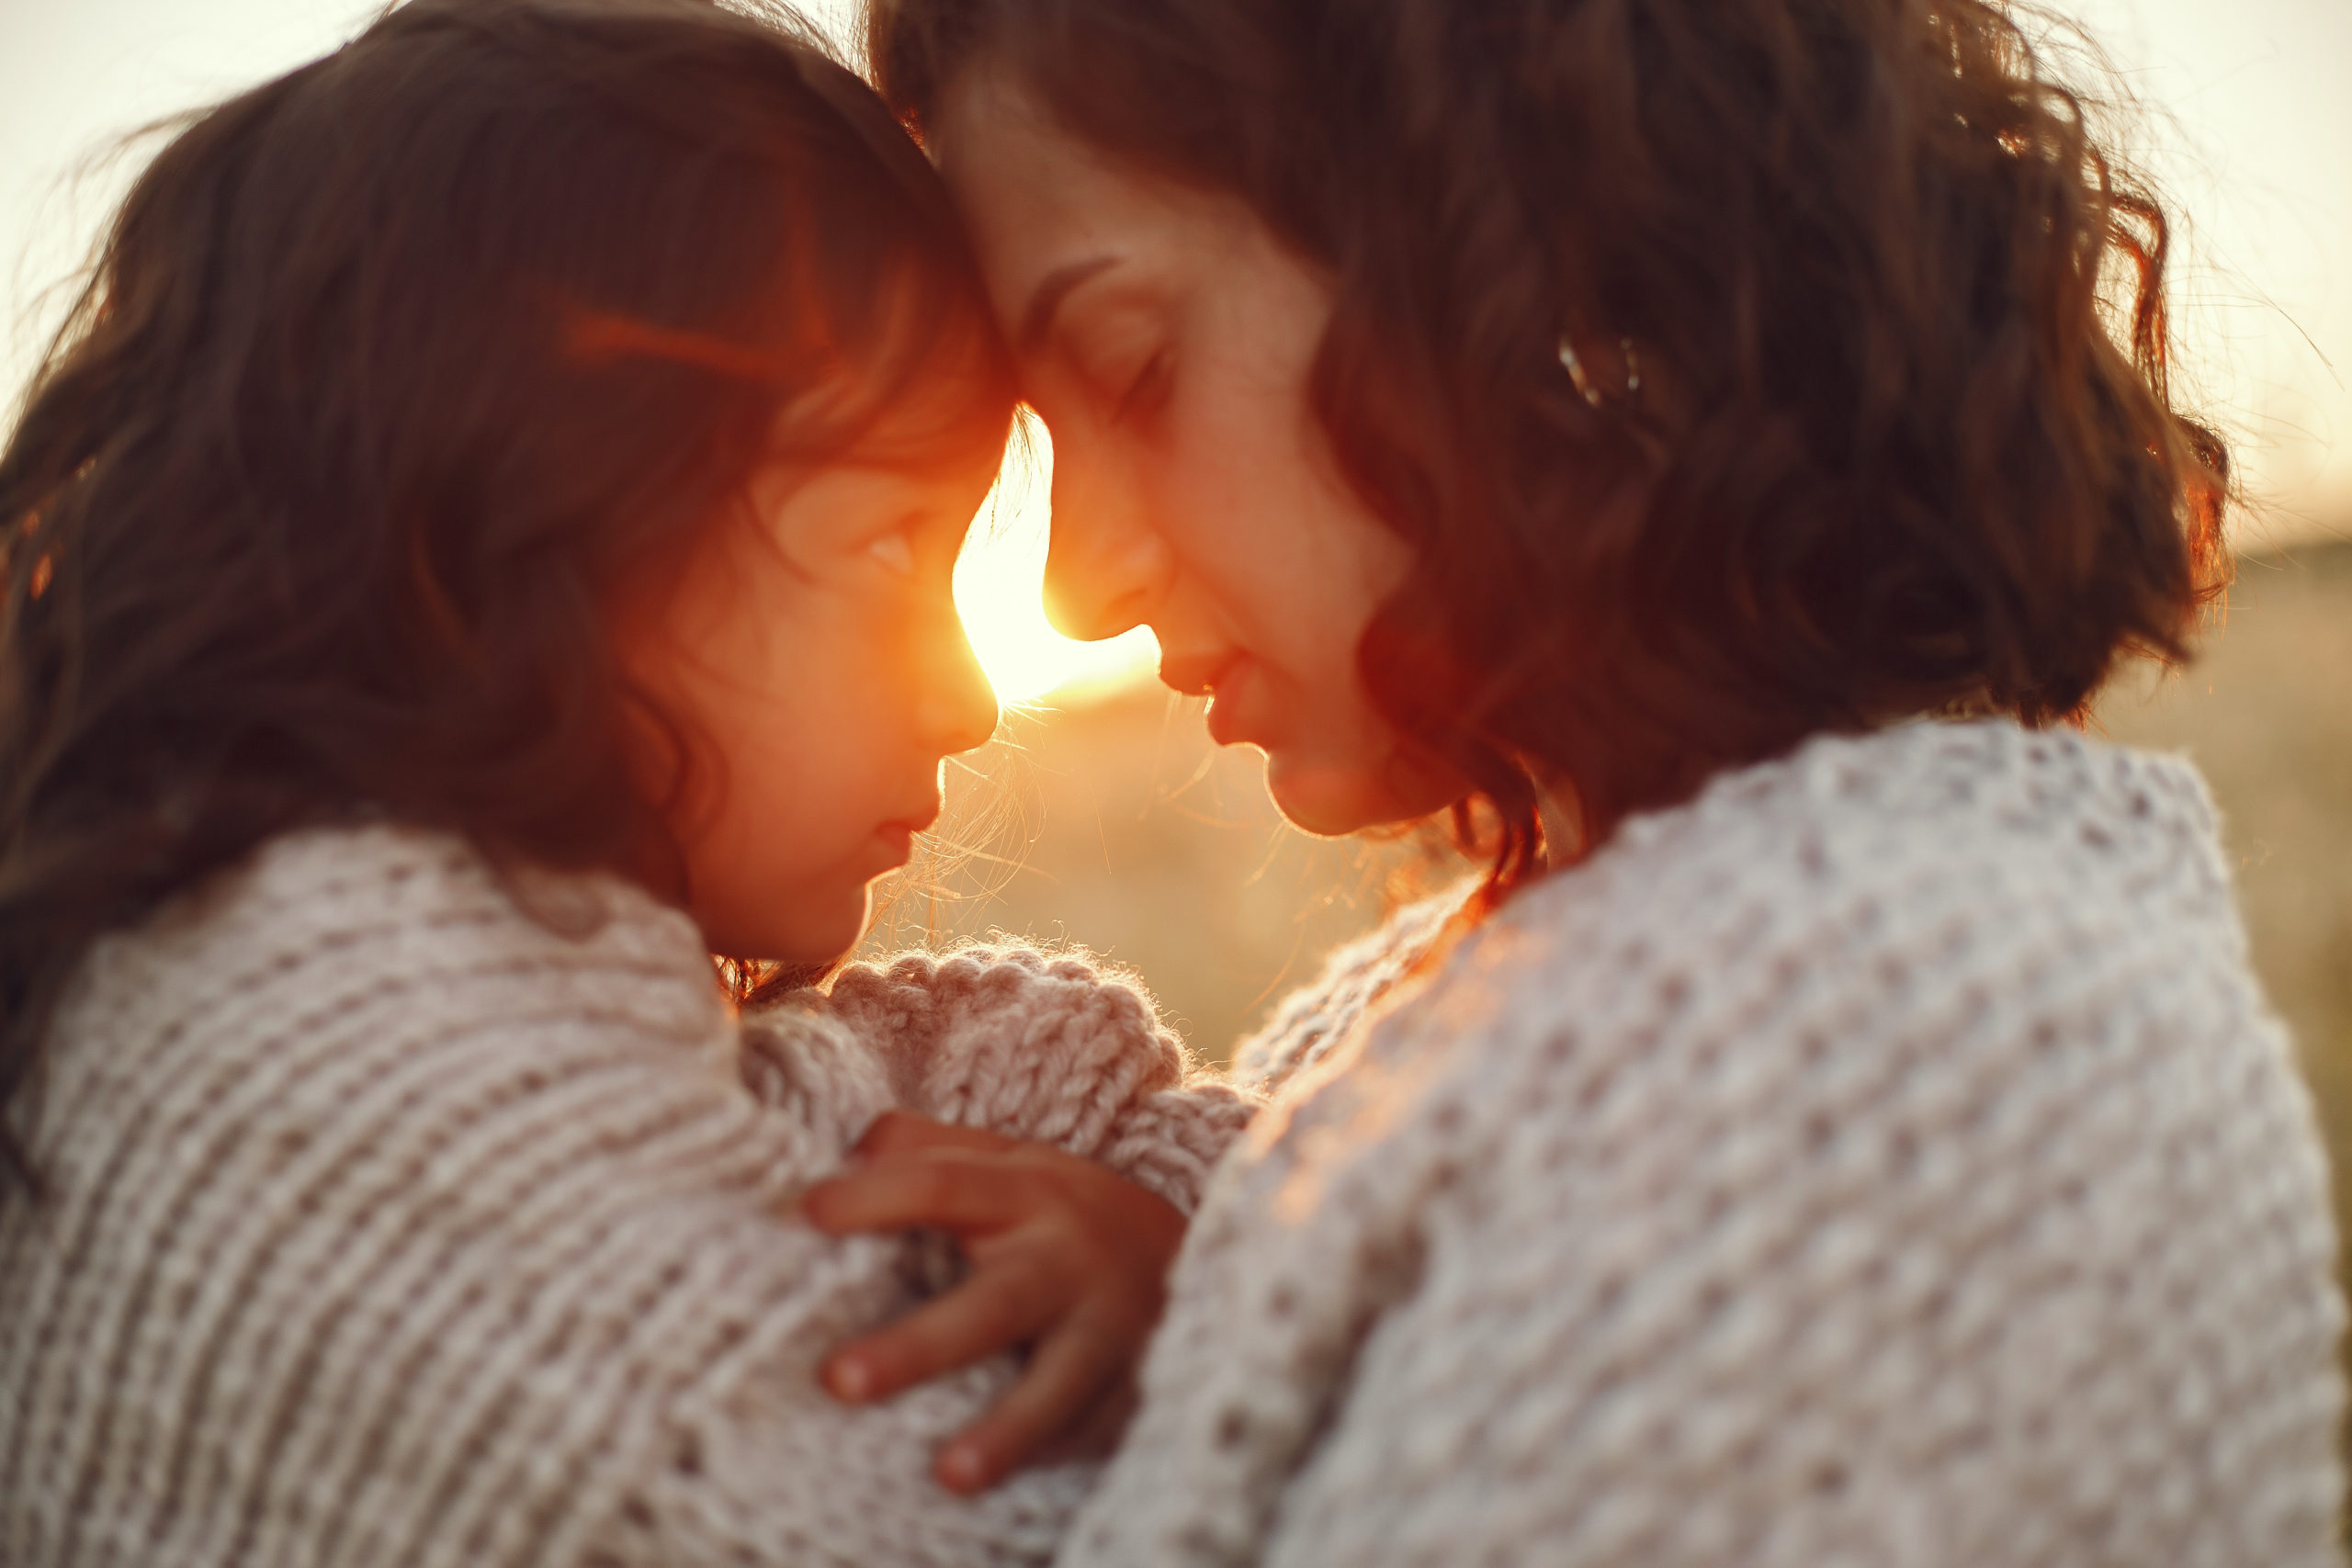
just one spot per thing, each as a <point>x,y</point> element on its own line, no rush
<point>1104,818</point>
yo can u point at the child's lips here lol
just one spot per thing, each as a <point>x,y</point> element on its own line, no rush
<point>897,835</point>
<point>891,845</point>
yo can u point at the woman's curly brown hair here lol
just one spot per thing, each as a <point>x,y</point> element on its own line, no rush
<point>1741,369</point>
<point>394,373</point>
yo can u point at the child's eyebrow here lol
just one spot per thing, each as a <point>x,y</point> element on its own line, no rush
<point>596,337</point>
<point>1037,320</point>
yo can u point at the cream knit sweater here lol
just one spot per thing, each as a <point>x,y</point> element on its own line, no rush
<point>390,1224</point>
<point>1886,1159</point>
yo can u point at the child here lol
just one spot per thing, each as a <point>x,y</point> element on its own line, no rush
<point>482,545</point>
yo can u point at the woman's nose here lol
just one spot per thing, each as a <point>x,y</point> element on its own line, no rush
<point>1106,568</point>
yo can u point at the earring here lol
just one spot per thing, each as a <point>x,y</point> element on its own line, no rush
<point>1585,388</point>
<point>1575,367</point>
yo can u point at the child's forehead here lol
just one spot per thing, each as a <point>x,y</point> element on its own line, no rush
<point>947,403</point>
<point>929,450</point>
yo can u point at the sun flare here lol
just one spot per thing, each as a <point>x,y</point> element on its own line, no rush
<point>1000,582</point>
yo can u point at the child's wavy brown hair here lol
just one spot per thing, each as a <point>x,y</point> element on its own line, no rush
<point>1741,369</point>
<point>392,375</point>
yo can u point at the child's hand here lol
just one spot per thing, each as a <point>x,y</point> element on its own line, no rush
<point>1068,1258</point>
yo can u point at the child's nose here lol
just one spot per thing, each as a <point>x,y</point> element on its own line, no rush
<point>958,706</point>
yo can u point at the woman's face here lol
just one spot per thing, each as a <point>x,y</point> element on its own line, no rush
<point>1166,338</point>
<point>811,653</point>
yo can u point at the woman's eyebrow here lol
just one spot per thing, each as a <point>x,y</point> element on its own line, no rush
<point>1037,320</point>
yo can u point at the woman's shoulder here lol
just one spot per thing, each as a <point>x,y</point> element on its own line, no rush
<point>1356,978</point>
<point>1858,845</point>
<point>1886,935</point>
<point>1947,938</point>
<point>1966,828</point>
<point>1931,790</point>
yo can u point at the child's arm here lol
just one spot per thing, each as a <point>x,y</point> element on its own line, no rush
<point>468,1246</point>
<point>1068,1258</point>
<point>1076,1134</point>
<point>1052,1047</point>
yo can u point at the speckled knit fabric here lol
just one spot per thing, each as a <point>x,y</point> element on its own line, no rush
<point>1307,1024</point>
<point>1886,1159</point>
<point>390,1225</point>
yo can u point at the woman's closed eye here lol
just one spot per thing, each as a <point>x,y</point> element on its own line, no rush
<point>1117,344</point>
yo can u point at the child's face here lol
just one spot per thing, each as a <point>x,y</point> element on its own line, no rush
<point>812,651</point>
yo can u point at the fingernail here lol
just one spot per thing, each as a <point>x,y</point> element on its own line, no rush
<point>960,1466</point>
<point>850,1378</point>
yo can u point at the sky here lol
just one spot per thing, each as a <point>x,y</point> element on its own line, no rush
<point>2246,124</point>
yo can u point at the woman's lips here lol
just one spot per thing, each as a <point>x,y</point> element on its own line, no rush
<point>1197,674</point>
<point>1230,708</point>
<point>1222,677</point>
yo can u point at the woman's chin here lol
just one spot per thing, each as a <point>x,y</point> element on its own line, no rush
<point>1331,800</point>
<point>1331,797</point>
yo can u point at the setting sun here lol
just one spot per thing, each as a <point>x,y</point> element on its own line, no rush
<point>999,592</point>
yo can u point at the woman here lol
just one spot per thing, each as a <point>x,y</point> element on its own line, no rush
<point>1713,448</point>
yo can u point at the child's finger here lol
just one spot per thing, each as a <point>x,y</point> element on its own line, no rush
<point>997,1308</point>
<point>1096,1433</point>
<point>903,1132</point>
<point>1067,1376</point>
<point>944,1190</point>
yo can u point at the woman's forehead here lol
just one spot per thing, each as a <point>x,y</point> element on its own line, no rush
<point>1040,202</point>
<point>1049,214</point>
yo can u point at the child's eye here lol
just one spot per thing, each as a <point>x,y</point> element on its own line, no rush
<point>896,551</point>
<point>1147,391</point>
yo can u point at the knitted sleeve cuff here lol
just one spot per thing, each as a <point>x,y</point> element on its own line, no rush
<point>1046,1046</point>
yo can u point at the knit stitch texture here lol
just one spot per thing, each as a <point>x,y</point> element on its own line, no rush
<point>1886,1159</point>
<point>403,1214</point>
